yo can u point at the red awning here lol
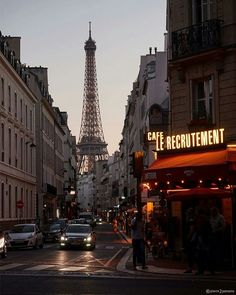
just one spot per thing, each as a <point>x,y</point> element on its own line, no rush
<point>198,193</point>
<point>197,165</point>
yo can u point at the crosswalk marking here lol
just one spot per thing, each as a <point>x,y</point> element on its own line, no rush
<point>103,270</point>
<point>109,247</point>
<point>40,267</point>
<point>72,268</point>
<point>9,266</point>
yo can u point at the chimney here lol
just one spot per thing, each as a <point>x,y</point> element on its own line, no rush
<point>150,50</point>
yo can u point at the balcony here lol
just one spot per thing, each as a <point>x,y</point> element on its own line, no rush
<point>196,39</point>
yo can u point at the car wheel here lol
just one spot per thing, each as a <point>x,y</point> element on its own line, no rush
<point>92,247</point>
<point>36,244</point>
<point>4,254</point>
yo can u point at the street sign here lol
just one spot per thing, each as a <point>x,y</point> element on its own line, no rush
<point>19,204</point>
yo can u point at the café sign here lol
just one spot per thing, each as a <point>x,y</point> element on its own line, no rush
<point>186,140</point>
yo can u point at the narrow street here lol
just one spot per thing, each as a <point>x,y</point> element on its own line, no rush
<point>101,271</point>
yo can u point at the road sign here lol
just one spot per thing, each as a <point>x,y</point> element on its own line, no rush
<point>19,204</point>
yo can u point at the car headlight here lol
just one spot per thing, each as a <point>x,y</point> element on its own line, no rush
<point>63,238</point>
<point>88,239</point>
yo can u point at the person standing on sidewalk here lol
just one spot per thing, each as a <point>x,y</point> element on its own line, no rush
<point>138,243</point>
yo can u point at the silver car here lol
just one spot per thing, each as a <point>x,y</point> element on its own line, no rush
<point>24,236</point>
<point>3,245</point>
<point>78,235</point>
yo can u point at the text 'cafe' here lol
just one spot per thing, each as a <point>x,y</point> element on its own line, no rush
<point>195,169</point>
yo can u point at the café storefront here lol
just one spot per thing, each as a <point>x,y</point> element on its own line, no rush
<point>195,170</point>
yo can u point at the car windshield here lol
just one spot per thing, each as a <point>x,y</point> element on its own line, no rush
<point>86,216</point>
<point>55,226</point>
<point>23,229</point>
<point>78,229</point>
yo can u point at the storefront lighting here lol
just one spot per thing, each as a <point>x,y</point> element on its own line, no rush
<point>200,181</point>
<point>219,179</point>
<point>168,182</point>
<point>146,185</point>
<point>182,181</point>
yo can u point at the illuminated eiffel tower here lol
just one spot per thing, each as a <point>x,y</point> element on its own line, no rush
<point>91,146</point>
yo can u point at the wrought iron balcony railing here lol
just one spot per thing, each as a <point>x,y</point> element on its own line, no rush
<point>196,39</point>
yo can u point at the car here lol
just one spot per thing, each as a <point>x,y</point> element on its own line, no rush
<point>24,236</point>
<point>62,221</point>
<point>79,221</point>
<point>52,232</point>
<point>78,235</point>
<point>88,216</point>
<point>3,245</point>
<point>98,219</point>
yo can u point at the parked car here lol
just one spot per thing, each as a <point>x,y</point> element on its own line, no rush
<point>52,232</point>
<point>3,245</point>
<point>62,221</point>
<point>78,235</point>
<point>24,236</point>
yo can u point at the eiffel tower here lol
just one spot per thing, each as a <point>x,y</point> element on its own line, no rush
<point>91,146</point>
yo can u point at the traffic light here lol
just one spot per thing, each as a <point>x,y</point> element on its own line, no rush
<point>136,164</point>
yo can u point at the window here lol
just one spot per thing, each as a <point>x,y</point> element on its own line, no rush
<point>2,200</point>
<point>31,120</point>
<point>26,204</point>
<point>16,199</point>
<point>15,105</point>
<point>202,100</point>
<point>2,92</point>
<point>16,150</point>
<point>9,98</point>
<point>21,111</point>
<point>10,203</point>
<point>3,142</point>
<point>202,10</point>
<point>21,153</point>
<point>26,116</point>
<point>10,147</point>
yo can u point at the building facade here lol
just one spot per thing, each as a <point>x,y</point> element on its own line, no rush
<point>17,136</point>
<point>195,165</point>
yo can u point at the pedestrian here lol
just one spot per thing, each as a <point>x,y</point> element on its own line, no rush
<point>138,242</point>
<point>203,233</point>
<point>115,224</point>
<point>216,252</point>
<point>191,239</point>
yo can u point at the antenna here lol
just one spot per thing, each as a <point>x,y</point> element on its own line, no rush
<point>89,29</point>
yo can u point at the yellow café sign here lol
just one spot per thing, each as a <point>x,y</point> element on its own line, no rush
<point>186,140</point>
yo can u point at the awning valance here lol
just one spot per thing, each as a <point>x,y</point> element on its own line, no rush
<point>198,193</point>
<point>174,167</point>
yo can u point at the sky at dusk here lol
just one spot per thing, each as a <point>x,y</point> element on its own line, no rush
<point>53,33</point>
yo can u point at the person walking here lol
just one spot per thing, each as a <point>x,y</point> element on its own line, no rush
<point>115,224</point>
<point>217,239</point>
<point>191,239</point>
<point>203,233</point>
<point>138,242</point>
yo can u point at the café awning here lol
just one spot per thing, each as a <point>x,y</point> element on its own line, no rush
<point>198,193</point>
<point>195,165</point>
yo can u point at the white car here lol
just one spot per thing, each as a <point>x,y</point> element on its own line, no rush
<point>24,236</point>
<point>3,246</point>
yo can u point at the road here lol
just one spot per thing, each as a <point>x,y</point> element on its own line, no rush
<point>68,272</point>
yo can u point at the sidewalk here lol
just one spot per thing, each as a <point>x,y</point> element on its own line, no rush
<point>168,266</point>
